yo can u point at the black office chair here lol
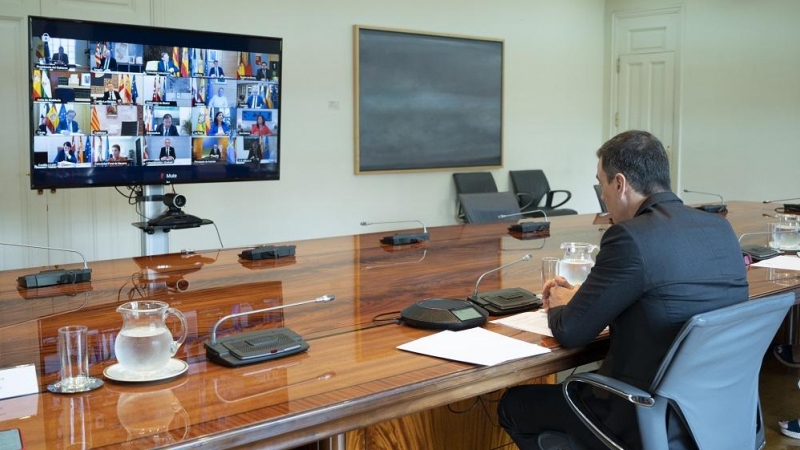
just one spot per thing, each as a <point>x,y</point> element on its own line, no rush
<point>599,191</point>
<point>472,183</point>
<point>709,377</point>
<point>531,186</point>
<point>485,207</point>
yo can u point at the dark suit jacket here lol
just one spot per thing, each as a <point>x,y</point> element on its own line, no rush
<point>264,75</point>
<point>653,272</point>
<point>62,58</point>
<point>172,131</point>
<point>107,97</point>
<point>168,67</point>
<point>212,72</point>
<point>62,126</point>
<point>165,152</point>
<point>112,64</point>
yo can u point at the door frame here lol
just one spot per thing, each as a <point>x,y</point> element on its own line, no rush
<point>615,21</point>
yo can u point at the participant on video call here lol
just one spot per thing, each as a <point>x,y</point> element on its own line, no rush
<point>260,128</point>
<point>66,154</point>
<point>263,73</point>
<point>70,125</point>
<point>107,62</point>
<point>115,154</point>
<point>661,263</point>
<point>166,128</point>
<point>219,100</point>
<point>255,153</point>
<point>255,100</point>
<point>216,70</point>
<point>167,152</point>
<point>61,57</point>
<point>219,127</point>
<point>166,64</point>
<point>111,95</point>
<point>215,153</point>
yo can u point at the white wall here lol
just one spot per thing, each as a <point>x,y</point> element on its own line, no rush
<point>740,96</point>
<point>553,107</point>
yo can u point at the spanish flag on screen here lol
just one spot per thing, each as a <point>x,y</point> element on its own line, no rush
<point>52,118</point>
<point>37,84</point>
<point>185,62</point>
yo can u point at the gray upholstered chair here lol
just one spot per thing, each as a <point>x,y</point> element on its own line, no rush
<point>599,192</point>
<point>709,377</point>
<point>486,207</point>
<point>475,183</point>
<point>531,186</point>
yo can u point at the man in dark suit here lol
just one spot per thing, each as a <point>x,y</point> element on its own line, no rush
<point>68,125</point>
<point>61,57</point>
<point>107,62</point>
<point>111,95</point>
<point>255,100</point>
<point>166,65</point>
<point>660,264</point>
<point>216,70</point>
<point>166,128</point>
<point>167,152</point>
<point>263,73</point>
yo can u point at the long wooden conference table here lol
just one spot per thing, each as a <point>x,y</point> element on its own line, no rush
<point>353,382</point>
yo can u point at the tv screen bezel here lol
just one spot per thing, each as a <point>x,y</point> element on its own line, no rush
<point>139,175</point>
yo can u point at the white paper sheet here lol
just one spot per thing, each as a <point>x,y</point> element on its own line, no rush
<point>533,321</point>
<point>780,262</point>
<point>476,346</point>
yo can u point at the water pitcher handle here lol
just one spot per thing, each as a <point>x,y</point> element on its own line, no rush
<point>184,330</point>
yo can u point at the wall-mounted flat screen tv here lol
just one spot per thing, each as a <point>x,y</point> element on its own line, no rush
<point>125,105</point>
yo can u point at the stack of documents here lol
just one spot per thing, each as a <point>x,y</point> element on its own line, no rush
<point>476,346</point>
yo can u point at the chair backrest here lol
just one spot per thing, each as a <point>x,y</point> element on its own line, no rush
<point>485,207</point>
<point>710,374</point>
<point>474,182</point>
<point>599,192</point>
<point>533,183</point>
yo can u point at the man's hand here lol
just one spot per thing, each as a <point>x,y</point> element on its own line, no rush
<point>557,292</point>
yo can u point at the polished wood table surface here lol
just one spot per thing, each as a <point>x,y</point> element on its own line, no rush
<point>352,375</point>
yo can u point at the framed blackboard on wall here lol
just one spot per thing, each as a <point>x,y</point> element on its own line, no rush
<point>426,101</point>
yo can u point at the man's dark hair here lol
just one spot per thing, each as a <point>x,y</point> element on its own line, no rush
<point>640,157</point>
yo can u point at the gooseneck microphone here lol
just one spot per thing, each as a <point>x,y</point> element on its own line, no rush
<point>528,227</point>
<point>324,298</point>
<point>257,346</point>
<point>712,208</point>
<point>788,208</point>
<point>504,301</point>
<point>782,200</point>
<point>524,258</point>
<point>55,276</point>
<point>402,238</point>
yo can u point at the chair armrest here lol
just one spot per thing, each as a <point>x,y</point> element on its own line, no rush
<point>523,203</point>
<point>630,393</point>
<point>624,390</point>
<point>551,194</point>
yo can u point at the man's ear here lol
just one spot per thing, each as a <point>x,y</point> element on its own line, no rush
<point>620,184</point>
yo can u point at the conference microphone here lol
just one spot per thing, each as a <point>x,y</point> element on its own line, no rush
<point>55,276</point>
<point>402,238</point>
<point>717,208</point>
<point>505,301</point>
<point>788,208</point>
<point>757,252</point>
<point>528,227</point>
<point>257,346</point>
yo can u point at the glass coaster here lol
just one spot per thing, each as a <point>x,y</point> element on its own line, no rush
<point>92,383</point>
